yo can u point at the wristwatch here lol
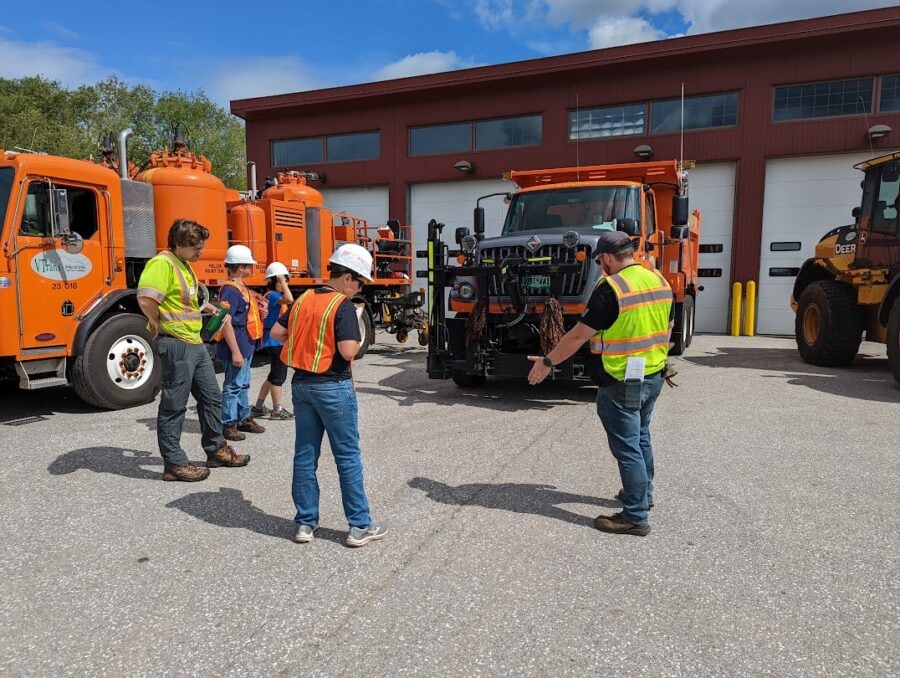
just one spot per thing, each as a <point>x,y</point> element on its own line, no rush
<point>547,362</point>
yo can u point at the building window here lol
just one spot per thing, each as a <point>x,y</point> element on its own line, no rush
<point>360,146</point>
<point>890,93</point>
<point>296,152</point>
<point>523,131</point>
<point>716,110</point>
<point>611,121</point>
<point>823,99</point>
<point>436,139</point>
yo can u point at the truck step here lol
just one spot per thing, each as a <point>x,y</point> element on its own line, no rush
<point>43,382</point>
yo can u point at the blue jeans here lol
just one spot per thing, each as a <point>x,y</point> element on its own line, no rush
<point>319,408</point>
<point>236,393</point>
<point>628,432</point>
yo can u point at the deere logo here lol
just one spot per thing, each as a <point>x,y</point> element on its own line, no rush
<point>533,243</point>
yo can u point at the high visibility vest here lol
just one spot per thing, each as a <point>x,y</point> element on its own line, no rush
<point>254,321</point>
<point>310,345</point>
<point>179,310</point>
<point>642,328</point>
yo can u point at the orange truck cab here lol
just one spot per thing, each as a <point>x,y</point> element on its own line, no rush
<point>488,298</point>
<point>76,235</point>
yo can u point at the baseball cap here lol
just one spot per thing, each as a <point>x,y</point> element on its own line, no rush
<point>613,242</point>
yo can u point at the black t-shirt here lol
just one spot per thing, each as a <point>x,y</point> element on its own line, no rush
<point>601,312</point>
<point>346,327</point>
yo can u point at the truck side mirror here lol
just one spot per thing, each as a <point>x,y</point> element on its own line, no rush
<point>479,221</point>
<point>680,232</point>
<point>461,233</point>
<point>59,211</point>
<point>680,211</point>
<point>628,226</point>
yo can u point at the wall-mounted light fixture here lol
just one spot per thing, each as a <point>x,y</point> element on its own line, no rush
<point>465,166</point>
<point>644,152</point>
<point>878,132</point>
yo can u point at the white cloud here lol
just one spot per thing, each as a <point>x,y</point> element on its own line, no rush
<point>495,15</point>
<point>622,31</point>
<point>70,65</point>
<point>224,80</point>
<point>422,63</point>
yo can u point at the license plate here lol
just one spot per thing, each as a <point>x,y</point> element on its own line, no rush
<point>537,282</point>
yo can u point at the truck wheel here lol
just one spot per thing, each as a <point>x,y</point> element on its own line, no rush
<point>828,326</point>
<point>366,331</point>
<point>118,367</point>
<point>464,380</point>
<point>893,339</point>
<point>680,328</point>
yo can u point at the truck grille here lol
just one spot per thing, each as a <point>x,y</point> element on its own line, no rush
<point>573,284</point>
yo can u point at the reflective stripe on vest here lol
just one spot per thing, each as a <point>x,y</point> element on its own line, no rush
<point>642,328</point>
<point>179,313</point>
<point>254,321</point>
<point>310,345</point>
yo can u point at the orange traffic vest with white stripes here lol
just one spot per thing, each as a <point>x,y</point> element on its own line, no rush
<point>310,345</point>
<point>254,321</point>
<point>642,328</point>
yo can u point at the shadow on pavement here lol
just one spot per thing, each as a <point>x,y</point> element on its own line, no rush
<point>539,500</point>
<point>189,425</point>
<point>122,462</point>
<point>866,378</point>
<point>410,385</point>
<point>19,407</point>
<point>228,508</point>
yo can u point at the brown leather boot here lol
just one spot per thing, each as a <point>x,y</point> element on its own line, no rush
<point>250,426</point>
<point>226,456</point>
<point>188,473</point>
<point>230,432</point>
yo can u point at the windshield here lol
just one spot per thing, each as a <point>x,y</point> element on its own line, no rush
<point>591,207</point>
<point>6,181</point>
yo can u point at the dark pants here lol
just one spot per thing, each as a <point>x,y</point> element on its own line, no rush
<point>187,370</point>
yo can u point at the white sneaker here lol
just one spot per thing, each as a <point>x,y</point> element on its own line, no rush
<point>360,536</point>
<point>305,534</point>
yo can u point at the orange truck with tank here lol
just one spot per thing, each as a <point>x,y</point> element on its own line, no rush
<point>76,235</point>
<point>494,301</point>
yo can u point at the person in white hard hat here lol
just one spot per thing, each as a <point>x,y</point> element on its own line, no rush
<point>242,336</point>
<point>321,335</point>
<point>279,299</point>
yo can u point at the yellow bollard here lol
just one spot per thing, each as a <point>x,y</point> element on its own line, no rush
<point>736,309</point>
<point>750,310</point>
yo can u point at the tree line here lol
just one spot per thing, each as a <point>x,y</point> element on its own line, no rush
<point>41,115</point>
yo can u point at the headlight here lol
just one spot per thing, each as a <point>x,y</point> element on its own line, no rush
<point>466,291</point>
<point>468,243</point>
<point>571,239</point>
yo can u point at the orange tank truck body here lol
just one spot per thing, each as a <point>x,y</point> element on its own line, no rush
<point>76,236</point>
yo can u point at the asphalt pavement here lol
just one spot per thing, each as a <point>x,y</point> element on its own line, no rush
<point>774,550</point>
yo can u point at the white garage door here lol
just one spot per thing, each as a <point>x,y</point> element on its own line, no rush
<point>369,202</point>
<point>711,189</point>
<point>453,204</point>
<point>805,197</point>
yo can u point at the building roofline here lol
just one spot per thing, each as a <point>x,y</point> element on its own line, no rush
<point>635,53</point>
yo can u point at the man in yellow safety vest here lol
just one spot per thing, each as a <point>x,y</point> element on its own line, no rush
<point>628,321</point>
<point>168,294</point>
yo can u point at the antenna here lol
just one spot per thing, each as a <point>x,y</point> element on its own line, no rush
<point>865,113</point>
<point>577,138</point>
<point>681,152</point>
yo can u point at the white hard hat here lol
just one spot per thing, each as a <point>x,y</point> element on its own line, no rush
<point>354,258</point>
<point>239,254</point>
<point>276,268</point>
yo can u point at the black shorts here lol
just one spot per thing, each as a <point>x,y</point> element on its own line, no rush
<point>277,369</point>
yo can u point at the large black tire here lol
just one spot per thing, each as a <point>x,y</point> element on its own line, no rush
<point>893,339</point>
<point>828,326</point>
<point>464,380</point>
<point>119,367</point>
<point>366,331</point>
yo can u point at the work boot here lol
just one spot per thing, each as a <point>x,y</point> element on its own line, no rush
<point>226,456</point>
<point>230,432</point>
<point>188,473</point>
<point>621,497</point>
<point>250,426</point>
<point>619,524</point>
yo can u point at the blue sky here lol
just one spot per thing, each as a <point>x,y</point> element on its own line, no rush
<point>235,50</point>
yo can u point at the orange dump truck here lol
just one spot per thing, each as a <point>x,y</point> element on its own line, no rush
<point>491,301</point>
<point>76,236</point>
